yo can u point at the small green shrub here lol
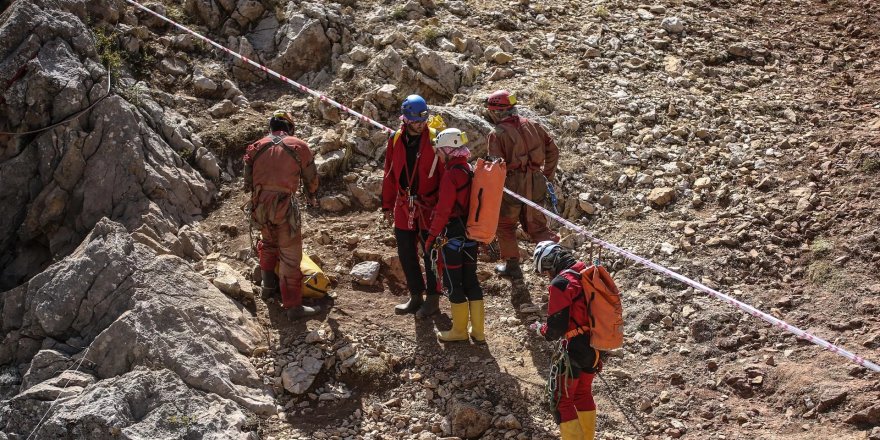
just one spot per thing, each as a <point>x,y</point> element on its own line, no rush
<point>108,49</point>
<point>602,11</point>
<point>821,247</point>
<point>542,97</point>
<point>429,35</point>
<point>399,13</point>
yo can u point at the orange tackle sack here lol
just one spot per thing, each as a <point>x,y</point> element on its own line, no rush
<point>487,190</point>
<point>604,308</point>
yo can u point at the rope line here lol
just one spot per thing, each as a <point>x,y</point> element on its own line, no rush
<point>614,248</point>
<point>322,97</point>
<point>65,120</point>
<point>40,423</point>
<point>776,322</point>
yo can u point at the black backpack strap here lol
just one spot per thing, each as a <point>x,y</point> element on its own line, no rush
<point>470,174</point>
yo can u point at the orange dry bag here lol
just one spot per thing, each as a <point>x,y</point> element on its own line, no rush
<point>487,189</point>
<point>604,307</point>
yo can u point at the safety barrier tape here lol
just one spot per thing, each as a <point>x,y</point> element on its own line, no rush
<point>776,322</point>
<point>320,96</point>
<point>645,262</point>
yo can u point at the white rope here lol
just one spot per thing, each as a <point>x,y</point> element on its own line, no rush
<point>57,398</point>
<point>629,255</point>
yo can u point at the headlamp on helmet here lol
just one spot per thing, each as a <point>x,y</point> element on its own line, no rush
<point>545,256</point>
<point>450,138</point>
<point>501,100</point>
<point>281,120</point>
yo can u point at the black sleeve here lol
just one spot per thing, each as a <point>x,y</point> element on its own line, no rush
<point>557,325</point>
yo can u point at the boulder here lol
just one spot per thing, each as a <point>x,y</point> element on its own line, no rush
<point>443,75</point>
<point>330,164</point>
<point>302,46</point>
<point>366,273</point>
<point>61,182</point>
<point>207,162</point>
<point>142,403</point>
<point>673,25</point>
<point>132,308</point>
<point>297,378</point>
<point>466,420</point>
<point>661,196</point>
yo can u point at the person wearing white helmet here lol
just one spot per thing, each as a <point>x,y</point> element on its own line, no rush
<point>447,241</point>
<point>568,319</point>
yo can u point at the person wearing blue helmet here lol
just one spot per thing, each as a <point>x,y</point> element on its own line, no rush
<point>409,194</point>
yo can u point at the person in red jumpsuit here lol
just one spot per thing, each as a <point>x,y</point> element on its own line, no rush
<point>447,238</point>
<point>274,168</point>
<point>409,193</point>
<point>568,318</point>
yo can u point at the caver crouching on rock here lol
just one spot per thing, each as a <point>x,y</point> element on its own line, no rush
<point>568,319</point>
<point>531,156</point>
<point>273,167</point>
<point>409,193</point>
<point>456,255</point>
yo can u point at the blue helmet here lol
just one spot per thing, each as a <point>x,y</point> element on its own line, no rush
<point>414,108</point>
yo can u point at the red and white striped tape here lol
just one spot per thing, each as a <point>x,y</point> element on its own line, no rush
<point>300,87</point>
<point>776,322</point>
<point>614,248</point>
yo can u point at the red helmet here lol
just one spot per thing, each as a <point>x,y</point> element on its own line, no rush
<point>500,100</point>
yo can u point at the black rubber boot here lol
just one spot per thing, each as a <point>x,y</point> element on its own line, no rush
<point>510,269</point>
<point>430,307</point>
<point>269,284</point>
<point>411,306</point>
<point>301,312</point>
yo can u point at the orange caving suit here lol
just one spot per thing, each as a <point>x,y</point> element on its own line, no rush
<point>274,166</point>
<point>531,155</point>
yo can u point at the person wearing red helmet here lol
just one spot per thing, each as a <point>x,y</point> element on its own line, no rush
<point>531,156</point>
<point>409,194</point>
<point>273,168</point>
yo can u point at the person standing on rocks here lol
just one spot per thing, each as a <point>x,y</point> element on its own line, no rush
<point>531,156</point>
<point>455,254</point>
<point>273,168</point>
<point>568,319</point>
<point>409,194</point>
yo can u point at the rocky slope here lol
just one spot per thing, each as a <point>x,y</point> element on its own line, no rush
<point>736,142</point>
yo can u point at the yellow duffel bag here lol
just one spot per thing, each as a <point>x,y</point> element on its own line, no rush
<point>315,282</point>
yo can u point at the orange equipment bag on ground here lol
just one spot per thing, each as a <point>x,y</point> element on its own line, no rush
<point>604,308</point>
<point>487,190</point>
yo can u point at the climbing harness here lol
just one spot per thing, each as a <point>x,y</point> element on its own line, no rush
<point>560,365</point>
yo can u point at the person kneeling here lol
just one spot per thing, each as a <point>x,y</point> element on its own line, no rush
<point>455,254</point>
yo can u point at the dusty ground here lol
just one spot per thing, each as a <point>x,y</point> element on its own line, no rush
<point>691,367</point>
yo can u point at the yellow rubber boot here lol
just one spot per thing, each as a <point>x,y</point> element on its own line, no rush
<point>571,430</point>
<point>459,324</point>
<point>478,320</point>
<point>587,420</point>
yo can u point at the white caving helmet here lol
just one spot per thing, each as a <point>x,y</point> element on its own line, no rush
<point>450,138</point>
<point>545,256</point>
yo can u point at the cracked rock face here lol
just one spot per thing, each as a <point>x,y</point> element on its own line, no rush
<point>154,334</point>
<point>108,162</point>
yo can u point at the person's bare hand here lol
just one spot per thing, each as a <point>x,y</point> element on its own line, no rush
<point>388,216</point>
